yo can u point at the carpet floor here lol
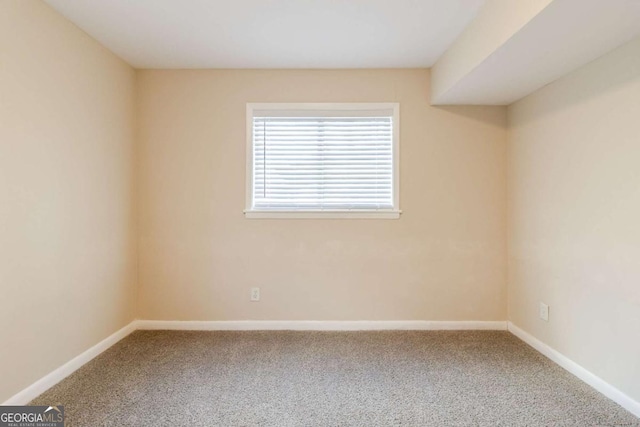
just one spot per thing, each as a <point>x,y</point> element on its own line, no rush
<point>285,378</point>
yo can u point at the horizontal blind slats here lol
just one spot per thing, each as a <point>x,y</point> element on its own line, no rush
<point>317,163</point>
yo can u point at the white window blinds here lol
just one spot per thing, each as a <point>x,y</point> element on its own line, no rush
<point>323,160</point>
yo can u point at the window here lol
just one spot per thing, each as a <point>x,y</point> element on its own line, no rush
<point>322,161</point>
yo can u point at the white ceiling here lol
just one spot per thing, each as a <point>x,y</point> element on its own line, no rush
<point>273,33</point>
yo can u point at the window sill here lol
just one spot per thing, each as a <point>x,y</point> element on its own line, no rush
<point>342,214</point>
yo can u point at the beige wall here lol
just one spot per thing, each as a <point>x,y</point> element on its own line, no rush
<point>574,216</point>
<point>443,260</point>
<point>67,219</point>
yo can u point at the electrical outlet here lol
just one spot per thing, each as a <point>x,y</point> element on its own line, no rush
<point>255,294</point>
<point>544,312</point>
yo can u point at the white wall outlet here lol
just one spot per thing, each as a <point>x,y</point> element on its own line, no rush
<point>255,294</point>
<point>544,312</point>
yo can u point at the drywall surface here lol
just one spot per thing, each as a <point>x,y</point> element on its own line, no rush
<point>444,259</point>
<point>67,217</point>
<point>574,204</point>
<point>497,22</point>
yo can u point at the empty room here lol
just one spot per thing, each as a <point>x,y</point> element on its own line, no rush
<point>319,213</point>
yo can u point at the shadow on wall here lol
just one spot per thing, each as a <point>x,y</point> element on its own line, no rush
<point>613,72</point>
<point>478,113</point>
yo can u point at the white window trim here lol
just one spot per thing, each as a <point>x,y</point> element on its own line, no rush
<point>319,214</point>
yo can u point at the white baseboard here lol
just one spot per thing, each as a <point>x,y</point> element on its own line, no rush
<point>37,388</point>
<point>593,380</point>
<point>53,378</point>
<point>319,325</point>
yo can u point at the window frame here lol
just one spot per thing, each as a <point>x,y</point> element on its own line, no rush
<point>393,213</point>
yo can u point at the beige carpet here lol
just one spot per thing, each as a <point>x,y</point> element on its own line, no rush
<point>162,378</point>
